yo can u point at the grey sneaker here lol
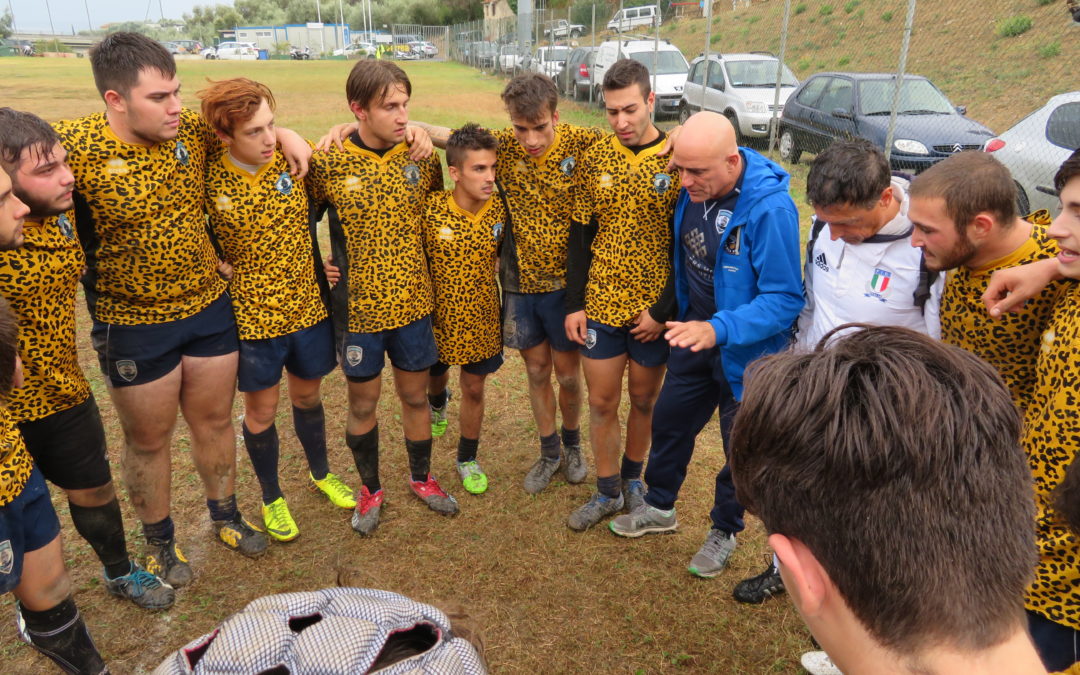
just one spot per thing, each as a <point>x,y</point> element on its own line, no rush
<point>142,588</point>
<point>574,465</point>
<point>593,511</point>
<point>365,517</point>
<point>644,519</point>
<point>540,474</point>
<point>633,492</point>
<point>713,554</point>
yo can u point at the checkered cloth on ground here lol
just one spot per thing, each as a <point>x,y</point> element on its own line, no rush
<point>335,630</point>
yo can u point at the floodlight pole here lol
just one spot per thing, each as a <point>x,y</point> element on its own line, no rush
<point>899,79</point>
<point>705,53</point>
<point>51,28</point>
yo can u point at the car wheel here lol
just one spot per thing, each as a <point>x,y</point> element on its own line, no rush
<point>1023,204</point>
<point>684,113</point>
<point>599,97</point>
<point>789,152</point>
<point>574,34</point>
<point>734,119</point>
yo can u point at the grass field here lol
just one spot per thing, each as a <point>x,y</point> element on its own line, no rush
<point>547,599</point>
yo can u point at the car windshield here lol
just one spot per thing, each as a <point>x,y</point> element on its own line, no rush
<point>509,50</point>
<point>557,54</point>
<point>917,97</point>
<point>668,62</point>
<point>758,74</point>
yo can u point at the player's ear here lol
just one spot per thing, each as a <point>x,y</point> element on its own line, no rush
<point>223,137</point>
<point>982,227</point>
<point>554,117</point>
<point>358,110</point>
<point>115,100</point>
<point>806,580</point>
<point>455,175</point>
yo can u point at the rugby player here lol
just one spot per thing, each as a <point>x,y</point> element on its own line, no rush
<point>163,324</point>
<point>463,228</point>
<point>31,558</point>
<point>619,292</point>
<point>383,300</point>
<point>55,409</point>
<point>259,215</point>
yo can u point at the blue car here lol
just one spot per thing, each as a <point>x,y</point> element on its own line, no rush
<point>828,106</point>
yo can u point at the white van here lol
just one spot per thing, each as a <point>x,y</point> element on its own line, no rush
<point>670,69</point>
<point>634,17</point>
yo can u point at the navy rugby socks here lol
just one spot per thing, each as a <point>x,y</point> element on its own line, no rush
<point>365,452</point>
<point>103,528</point>
<point>310,426</point>
<point>263,449</point>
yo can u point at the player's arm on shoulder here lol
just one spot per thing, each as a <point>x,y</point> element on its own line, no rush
<point>296,149</point>
<point>1010,288</point>
<point>438,135</point>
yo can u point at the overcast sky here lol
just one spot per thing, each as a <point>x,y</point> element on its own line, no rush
<point>31,16</point>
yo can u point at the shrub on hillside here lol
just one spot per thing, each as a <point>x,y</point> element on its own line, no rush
<point>800,8</point>
<point>1014,25</point>
<point>1049,50</point>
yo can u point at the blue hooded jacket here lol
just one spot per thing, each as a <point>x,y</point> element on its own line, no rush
<point>757,279</point>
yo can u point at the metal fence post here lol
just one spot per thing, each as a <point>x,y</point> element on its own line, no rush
<point>773,121</point>
<point>899,78</point>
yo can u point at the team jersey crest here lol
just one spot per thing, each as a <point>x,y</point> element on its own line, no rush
<point>567,166</point>
<point>64,223</point>
<point>879,283</point>
<point>661,182</point>
<point>181,153</point>
<point>412,174</point>
<point>284,183</point>
<point>497,230</point>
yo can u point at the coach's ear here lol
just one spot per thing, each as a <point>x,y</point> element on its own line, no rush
<point>805,579</point>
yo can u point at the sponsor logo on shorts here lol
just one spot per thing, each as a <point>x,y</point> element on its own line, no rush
<point>127,370</point>
<point>567,166</point>
<point>412,174</point>
<point>65,226</point>
<point>354,355</point>
<point>590,338</point>
<point>284,183</point>
<point>661,182</point>
<point>181,153</point>
<point>7,557</point>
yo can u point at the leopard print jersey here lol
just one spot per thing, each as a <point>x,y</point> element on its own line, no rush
<point>39,279</point>
<point>461,249</point>
<point>149,256</point>
<point>380,204</point>
<point>261,223</point>
<point>540,193</point>
<point>15,462</point>
<point>632,198</point>
<point>1009,343</point>
<point>1052,441</point>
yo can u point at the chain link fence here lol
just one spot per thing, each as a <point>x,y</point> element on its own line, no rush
<point>921,78</point>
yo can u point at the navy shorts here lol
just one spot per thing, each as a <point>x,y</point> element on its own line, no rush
<point>69,446</point>
<point>485,367</point>
<point>605,342</point>
<point>531,318</point>
<point>131,355</point>
<point>307,354</point>
<point>26,524</point>
<point>411,348</point>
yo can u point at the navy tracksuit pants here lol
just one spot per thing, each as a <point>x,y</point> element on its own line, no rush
<point>693,389</point>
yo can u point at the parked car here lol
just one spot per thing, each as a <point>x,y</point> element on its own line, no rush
<point>828,106</point>
<point>483,54</point>
<point>209,53</point>
<point>550,60</point>
<point>635,17</point>
<point>510,58</point>
<point>742,87</point>
<point>661,58</point>
<point>171,47</point>
<point>424,48</point>
<point>246,51</point>
<point>356,50</point>
<point>1035,147</point>
<point>188,46</point>
<point>562,29</point>
<point>576,80</point>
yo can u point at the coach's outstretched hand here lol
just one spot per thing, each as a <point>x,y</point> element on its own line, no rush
<point>296,150</point>
<point>697,335</point>
<point>1010,288</point>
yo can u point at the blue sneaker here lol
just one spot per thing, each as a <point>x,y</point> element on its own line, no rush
<point>142,588</point>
